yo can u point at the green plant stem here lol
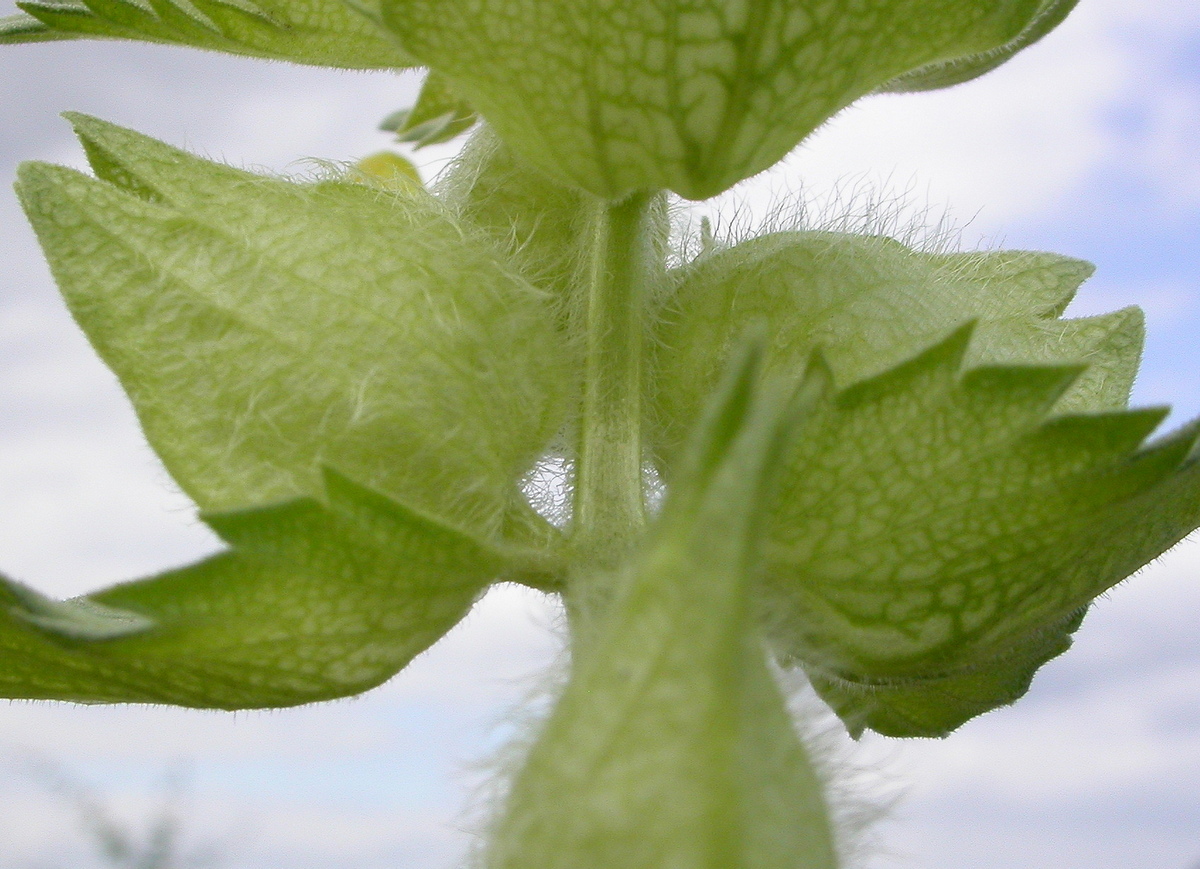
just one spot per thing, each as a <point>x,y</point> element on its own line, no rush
<point>609,509</point>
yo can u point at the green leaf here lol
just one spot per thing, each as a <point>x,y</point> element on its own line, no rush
<point>671,738</point>
<point>439,115</point>
<point>263,328</point>
<point>936,534</point>
<point>934,706</point>
<point>26,28</point>
<point>314,600</point>
<point>949,73</point>
<point>317,32</point>
<point>869,302</point>
<point>79,619</point>
<point>632,95</point>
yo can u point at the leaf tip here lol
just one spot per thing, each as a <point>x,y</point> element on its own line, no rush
<point>75,619</point>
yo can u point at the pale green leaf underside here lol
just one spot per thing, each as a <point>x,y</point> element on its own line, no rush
<point>317,32</point>
<point>671,740</point>
<point>314,600</point>
<point>869,302</point>
<point>263,328</point>
<point>650,94</point>
<point>936,706</point>
<point>936,533</point>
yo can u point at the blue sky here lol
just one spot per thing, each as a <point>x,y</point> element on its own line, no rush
<point>1086,145</point>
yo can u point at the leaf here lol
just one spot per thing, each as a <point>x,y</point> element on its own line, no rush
<point>632,95</point>
<point>314,600</point>
<point>263,328</point>
<point>671,738</point>
<point>79,619</point>
<point>949,73</point>
<point>869,303</point>
<point>936,534</point>
<point>438,116</point>
<point>26,28</point>
<point>317,32</point>
<point>935,706</point>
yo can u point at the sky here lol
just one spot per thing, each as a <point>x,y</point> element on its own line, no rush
<point>1087,145</point>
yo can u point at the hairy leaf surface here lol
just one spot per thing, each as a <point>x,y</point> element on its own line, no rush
<point>937,533</point>
<point>263,328</point>
<point>869,302</point>
<point>316,32</point>
<point>543,223</point>
<point>689,96</point>
<point>314,600</point>
<point>671,739</point>
<point>934,706</point>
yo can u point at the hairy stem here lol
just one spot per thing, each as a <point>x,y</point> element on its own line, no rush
<point>609,510</point>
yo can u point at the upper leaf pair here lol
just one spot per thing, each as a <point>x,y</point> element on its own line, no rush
<point>613,97</point>
<point>936,523</point>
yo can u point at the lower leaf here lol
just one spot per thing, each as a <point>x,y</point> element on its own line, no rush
<point>313,601</point>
